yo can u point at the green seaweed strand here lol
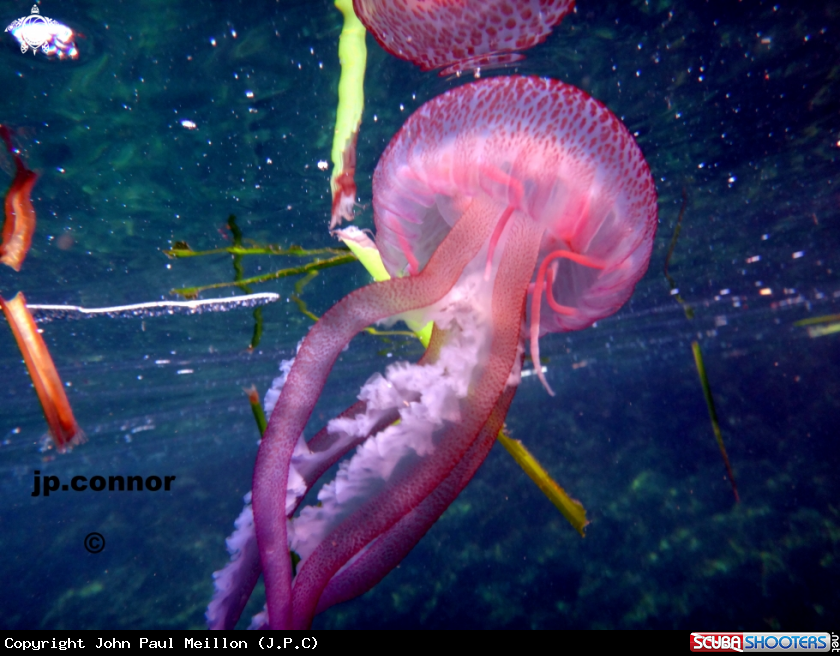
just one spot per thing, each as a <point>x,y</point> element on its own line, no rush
<point>238,273</point>
<point>689,312</point>
<point>710,403</point>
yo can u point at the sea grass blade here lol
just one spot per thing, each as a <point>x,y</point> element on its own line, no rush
<point>710,403</point>
<point>572,509</point>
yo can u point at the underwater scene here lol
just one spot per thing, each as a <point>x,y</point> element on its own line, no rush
<point>178,151</point>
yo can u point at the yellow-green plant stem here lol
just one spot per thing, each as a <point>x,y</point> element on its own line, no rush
<point>181,250</point>
<point>695,347</point>
<point>256,336</point>
<point>257,409</point>
<point>823,330</point>
<point>352,55</point>
<point>710,403</point>
<point>826,318</point>
<point>316,265</point>
<point>572,509</point>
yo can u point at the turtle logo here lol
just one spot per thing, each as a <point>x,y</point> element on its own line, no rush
<point>36,31</point>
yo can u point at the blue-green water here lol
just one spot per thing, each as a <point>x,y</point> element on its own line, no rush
<point>738,104</point>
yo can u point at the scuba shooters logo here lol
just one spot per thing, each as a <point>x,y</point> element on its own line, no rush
<point>763,642</point>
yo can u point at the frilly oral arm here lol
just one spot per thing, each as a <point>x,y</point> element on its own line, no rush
<point>386,552</point>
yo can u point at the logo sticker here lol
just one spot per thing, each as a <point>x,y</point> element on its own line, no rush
<point>36,31</point>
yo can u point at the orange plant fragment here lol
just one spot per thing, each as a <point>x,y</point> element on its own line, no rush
<point>63,427</point>
<point>20,215</point>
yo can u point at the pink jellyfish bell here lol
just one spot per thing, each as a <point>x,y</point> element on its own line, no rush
<point>460,34</point>
<point>536,148</point>
<point>494,192</point>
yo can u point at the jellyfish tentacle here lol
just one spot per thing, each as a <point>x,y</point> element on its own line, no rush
<point>313,363</point>
<point>401,495</point>
<point>536,302</point>
<point>550,277</point>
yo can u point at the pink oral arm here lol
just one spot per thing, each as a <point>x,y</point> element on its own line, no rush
<point>313,363</point>
<point>403,494</point>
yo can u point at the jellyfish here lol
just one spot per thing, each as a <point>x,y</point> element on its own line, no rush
<point>505,209</point>
<point>463,35</point>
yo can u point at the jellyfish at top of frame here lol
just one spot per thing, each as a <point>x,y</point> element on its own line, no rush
<point>461,35</point>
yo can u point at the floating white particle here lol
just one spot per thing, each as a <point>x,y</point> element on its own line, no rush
<point>249,94</point>
<point>798,254</point>
<point>766,291</point>
<point>754,258</point>
<point>322,165</point>
<point>530,372</point>
<point>724,292</point>
<point>186,123</point>
<point>184,371</point>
